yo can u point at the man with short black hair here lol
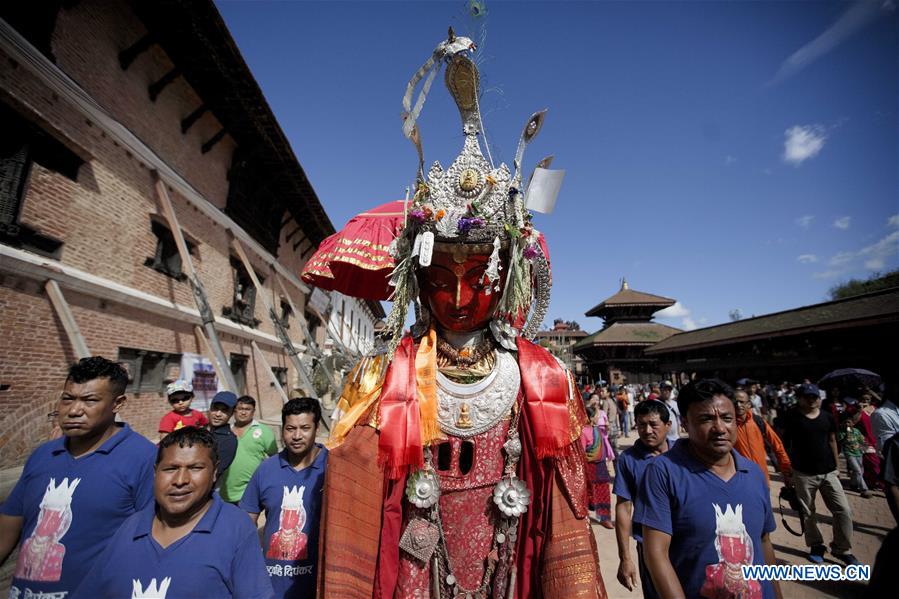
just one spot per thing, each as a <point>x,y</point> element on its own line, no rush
<point>652,422</point>
<point>810,437</point>
<point>255,442</point>
<point>705,509</point>
<point>666,397</point>
<point>189,543</point>
<point>220,411</point>
<point>288,487</point>
<point>76,490</point>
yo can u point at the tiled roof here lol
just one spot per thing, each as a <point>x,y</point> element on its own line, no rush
<point>562,333</point>
<point>628,333</point>
<point>870,308</point>
<point>629,297</point>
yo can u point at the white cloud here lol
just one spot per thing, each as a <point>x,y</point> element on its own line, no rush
<point>805,221</point>
<point>874,263</point>
<point>857,16</point>
<point>807,259</point>
<point>827,274</point>
<point>842,259</point>
<point>678,310</point>
<point>803,142</point>
<point>877,253</point>
<point>728,160</point>
<point>842,223</point>
<point>893,221</point>
<point>870,257</point>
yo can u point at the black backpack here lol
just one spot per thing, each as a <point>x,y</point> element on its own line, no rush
<point>760,422</point>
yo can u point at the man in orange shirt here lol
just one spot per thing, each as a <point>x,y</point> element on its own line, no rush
<point>753,434</point>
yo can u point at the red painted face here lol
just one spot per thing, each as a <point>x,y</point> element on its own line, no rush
<point>49,523</point>
<point>733,549</point>
<point>457,293</point>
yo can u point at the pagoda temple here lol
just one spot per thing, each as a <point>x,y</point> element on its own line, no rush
<point>615,352</point>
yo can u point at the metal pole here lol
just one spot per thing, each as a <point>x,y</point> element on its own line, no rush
<point>196,286</point>
<point>279,328</point>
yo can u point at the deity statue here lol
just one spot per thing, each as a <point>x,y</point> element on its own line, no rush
<point>456,468</point>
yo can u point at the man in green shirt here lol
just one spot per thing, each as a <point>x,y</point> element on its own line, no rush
<point>255,442</point>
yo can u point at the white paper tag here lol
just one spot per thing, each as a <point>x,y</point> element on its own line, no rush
<point>544,190</point>
<point>417,245</point>
<point>426,248</point>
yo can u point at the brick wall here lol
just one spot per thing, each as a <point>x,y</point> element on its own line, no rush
<point>104,219</point>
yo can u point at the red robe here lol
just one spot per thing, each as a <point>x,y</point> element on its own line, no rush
<point>556,553</point>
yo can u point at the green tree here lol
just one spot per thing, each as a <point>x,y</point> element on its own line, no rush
<point>875,282</point>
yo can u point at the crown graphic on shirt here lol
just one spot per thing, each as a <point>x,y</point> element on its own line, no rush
<point>59,497</point>
<point>729,522</point>
<point>293,498</point>
<point>151,592</point>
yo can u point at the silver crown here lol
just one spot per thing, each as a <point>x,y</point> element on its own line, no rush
<point>472,205</point>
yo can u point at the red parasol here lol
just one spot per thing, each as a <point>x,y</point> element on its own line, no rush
<point>356,261</point>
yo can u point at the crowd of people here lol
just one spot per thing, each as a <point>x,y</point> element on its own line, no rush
<point>103,512</point>
<point>713,442</point>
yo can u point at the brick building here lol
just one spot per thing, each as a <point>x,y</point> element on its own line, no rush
<point>560,340</point>
<point>98,98</point>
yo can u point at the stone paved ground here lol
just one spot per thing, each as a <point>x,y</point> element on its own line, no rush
<point>872,521</point>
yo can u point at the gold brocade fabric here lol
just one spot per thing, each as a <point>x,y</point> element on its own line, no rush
<point>362,389</point>
<point>466,375</point>
<point>577,415</point>
<point>570,557</point>
<point>426,386</point>
<point>351,518</point>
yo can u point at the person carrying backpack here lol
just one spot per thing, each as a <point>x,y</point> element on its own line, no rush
<point>755,437</point>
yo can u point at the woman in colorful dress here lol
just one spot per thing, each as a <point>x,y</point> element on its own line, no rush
<point>595,439</point>
<point>870,460</point>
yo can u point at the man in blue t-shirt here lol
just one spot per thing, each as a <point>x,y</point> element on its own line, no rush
<point>75,491</point>
<point>704,508</point>
<point>653,420</point>
<point>189,543</point>
<point>288,486</point>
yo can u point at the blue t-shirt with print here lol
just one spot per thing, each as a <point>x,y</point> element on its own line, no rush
<point>292,502</point>
<point>714,525</point>
<point>72,506</point>
<point>220,557</point>
<point>629,470</point>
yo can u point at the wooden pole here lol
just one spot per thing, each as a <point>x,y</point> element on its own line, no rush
<point>199,292</point>
<point>207,349</point>
<point>279,328</point>
<point>271,373</point>
<point>307,334</point>
<point>68,321</point>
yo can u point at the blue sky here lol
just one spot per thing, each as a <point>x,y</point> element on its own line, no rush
<point>730,155</point>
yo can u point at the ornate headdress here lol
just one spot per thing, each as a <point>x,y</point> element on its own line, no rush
<point>476,207</point>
